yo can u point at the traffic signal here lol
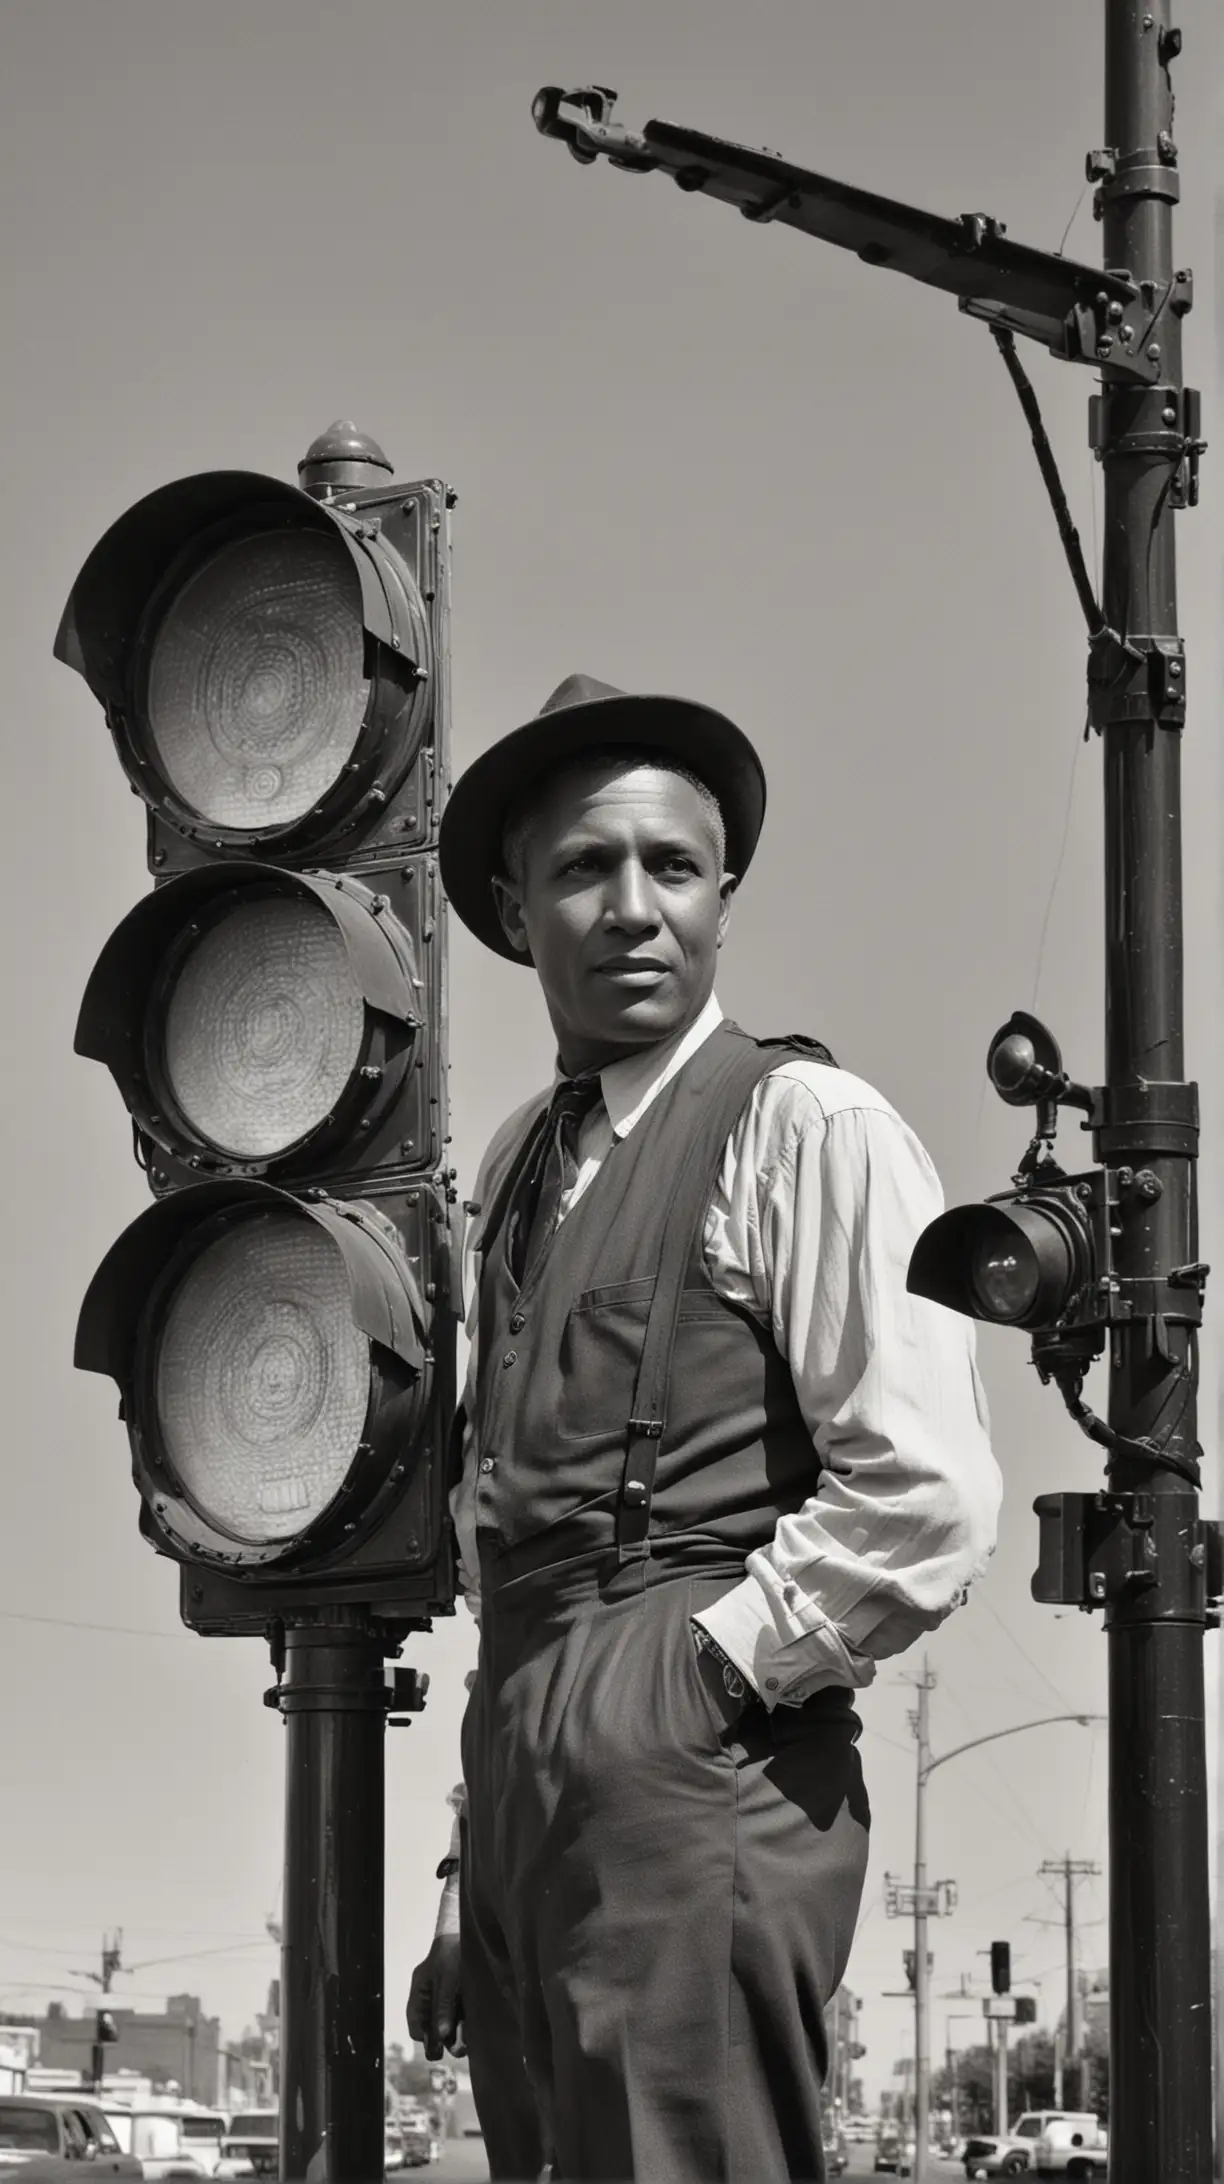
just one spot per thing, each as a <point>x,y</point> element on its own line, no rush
<point>910,1960</point>
<point>1000,1967</point>
<point>105,2028</point>
<point>272,661</point>
<point>1034,1256</point>
<point>1026,2009</point>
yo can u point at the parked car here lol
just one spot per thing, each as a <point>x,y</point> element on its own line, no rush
<point>1072,2146</point>
<point>994,2156</point>
<point>887,2148</point>
<point>153,2132</point>
<point>41,2134</point>
<point>252,2143</point>
<point>836,2153</point>
<point>420,2140</point>
<point>1067,2133</point>
<point>202,2131</point>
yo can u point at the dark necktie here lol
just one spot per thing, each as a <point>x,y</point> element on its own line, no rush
<point>549,1174</point>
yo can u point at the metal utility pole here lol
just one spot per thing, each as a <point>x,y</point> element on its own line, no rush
<point>922,1969</point>
<point>333,1697</point>
<point>1160,1962</point>
<point>1000,2061</point>
<point>1068,1870</point>
<point>104,2031</point>
<point>1106,1260</point>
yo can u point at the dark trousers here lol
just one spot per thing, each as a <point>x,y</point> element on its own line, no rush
<point>654,1910</point>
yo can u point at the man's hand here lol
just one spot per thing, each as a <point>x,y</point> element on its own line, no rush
<point>726,1689</point>
<point>435,2006</point>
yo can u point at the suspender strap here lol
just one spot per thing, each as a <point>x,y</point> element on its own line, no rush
<point>683,1229</point>
<point>500,1206</point>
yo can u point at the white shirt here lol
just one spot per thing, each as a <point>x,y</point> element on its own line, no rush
<point>822,1194</point>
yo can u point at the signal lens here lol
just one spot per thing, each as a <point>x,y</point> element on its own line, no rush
<point>1004,1275</point>
<point>264,1026</point>
<point>261,1379</point>
<point>256,689</point>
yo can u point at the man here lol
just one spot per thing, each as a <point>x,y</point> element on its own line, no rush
<point>717,1463</point>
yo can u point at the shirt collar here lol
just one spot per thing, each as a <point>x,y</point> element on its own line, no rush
<point>629,1086</point>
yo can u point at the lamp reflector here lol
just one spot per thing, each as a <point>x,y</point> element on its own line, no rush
<point>256,690</point>
<point>1003,1274</point>
<point>261,1378</point>
<point>263,1026</point>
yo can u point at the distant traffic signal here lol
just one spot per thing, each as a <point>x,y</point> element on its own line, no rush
<point>273,666</point>
<point>1026,2009</point>
<point>1000,1967</point>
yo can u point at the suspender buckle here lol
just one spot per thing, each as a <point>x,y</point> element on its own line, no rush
<point>650,1428</point>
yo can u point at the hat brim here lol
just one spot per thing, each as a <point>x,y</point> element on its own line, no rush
<point>706,742</point>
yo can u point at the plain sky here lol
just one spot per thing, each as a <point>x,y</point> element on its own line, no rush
<point>691,455</point>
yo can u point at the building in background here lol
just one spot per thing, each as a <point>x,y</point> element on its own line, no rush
<point>177,2046</point>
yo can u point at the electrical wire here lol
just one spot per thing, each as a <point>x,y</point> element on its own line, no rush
<point>1009,1790</point>
<point>1024,1653</point>
<point>67,1622</point>
<point>1080,737</point>
<point>895,1742</point>
<point>191,1956</point>
<point>1071,222</point>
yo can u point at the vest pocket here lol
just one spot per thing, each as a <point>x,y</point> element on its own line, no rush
<point>601,1348</point>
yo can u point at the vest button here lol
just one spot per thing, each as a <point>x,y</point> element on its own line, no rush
<point>487,1464</point>
<point>510,1358</point>
<point>517,1324</point>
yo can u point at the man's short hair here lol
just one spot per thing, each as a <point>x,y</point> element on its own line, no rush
<point>524,808</point>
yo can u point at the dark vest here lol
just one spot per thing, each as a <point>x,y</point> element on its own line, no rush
<point>621,1404</point>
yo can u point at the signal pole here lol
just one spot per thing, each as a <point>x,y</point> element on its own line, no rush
<point>1160,1966</point>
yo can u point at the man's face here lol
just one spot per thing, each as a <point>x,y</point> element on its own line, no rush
<point>622,904</point>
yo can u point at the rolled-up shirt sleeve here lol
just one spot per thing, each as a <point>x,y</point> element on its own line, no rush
<point>818,1208</point>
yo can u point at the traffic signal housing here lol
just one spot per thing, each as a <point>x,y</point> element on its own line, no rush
<point>1000,1967</point>
<point>272,662</point>
<point>1030,1258</point>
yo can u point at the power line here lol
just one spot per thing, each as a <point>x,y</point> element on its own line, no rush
<point>1024,1653</point>
<point>67,1622</point>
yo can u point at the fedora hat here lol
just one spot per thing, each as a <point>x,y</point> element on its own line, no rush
<point>585,715</point>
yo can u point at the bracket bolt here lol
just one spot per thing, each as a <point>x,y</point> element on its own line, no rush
<point>1198,1556</point>
<point>1115,311</point>
<point>1148,1185</point>
<point>1096,1584</point>
<point>1153,352</point>
<point>1103,349</point>
<point>1168,416</point>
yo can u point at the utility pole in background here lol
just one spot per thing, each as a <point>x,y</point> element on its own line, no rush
<point>921,1721</point>
<point>1068,1870</point>
<point>104,2024</point>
